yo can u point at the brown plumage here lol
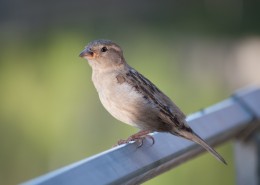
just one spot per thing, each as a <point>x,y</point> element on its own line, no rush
<point>132,98</point>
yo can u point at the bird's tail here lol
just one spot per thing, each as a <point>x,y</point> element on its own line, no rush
<point>194,137</point>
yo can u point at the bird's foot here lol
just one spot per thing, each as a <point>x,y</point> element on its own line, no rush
<point>138,138</point>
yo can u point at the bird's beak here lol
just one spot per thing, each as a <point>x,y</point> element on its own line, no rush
<point>86,53</point>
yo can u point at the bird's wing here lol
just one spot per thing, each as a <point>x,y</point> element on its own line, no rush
<point>168,111</point>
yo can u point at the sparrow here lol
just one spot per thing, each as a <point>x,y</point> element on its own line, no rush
<point>133,99</point>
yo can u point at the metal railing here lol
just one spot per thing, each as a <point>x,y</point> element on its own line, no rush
<point>236,117</point>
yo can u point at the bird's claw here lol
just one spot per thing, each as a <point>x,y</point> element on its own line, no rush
<point>138,138</point>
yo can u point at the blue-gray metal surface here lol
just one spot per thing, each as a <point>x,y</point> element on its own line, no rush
<point>247,146</point>
<point>247,153</point>
<point>128,164</point>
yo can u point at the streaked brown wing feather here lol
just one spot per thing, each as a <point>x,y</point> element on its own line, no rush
<point>167,110</point>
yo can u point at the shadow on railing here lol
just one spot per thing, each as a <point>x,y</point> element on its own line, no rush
<point>237,116</point>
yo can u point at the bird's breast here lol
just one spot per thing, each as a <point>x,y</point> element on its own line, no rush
<point>120,99</point>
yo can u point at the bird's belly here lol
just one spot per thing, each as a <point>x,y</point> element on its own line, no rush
<point>124,103</point>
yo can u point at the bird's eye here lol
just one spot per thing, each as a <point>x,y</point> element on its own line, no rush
<point>104,49</point>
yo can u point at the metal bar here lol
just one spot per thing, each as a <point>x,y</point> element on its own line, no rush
<point>247,145</point>
<point>247,160</point>
<point>128,164</point>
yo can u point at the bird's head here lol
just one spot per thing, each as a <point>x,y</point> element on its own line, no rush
<point>103,53</point>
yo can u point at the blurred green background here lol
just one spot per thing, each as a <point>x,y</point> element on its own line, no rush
<point>197,52</point>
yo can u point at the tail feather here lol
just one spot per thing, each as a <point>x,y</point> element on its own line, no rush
<point>196,138</point>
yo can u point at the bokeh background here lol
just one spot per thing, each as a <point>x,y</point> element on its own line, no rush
<point>197,52</point>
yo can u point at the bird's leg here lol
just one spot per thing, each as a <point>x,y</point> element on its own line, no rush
<point>138,137</point>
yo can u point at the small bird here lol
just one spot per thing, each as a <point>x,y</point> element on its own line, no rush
<point>133,99</point>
